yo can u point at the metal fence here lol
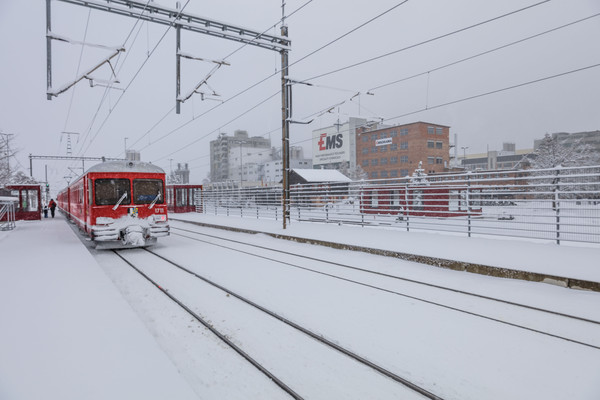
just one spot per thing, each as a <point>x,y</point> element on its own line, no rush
<point>7,214</point>
<point>561,204</point>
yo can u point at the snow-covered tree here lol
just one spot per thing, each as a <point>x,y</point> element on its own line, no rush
<point>419,177</point>
<point>552,156</point>
<point>173,178</point>
<point>357,173</point>
<point>552,153</point>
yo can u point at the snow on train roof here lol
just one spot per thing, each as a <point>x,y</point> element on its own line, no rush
<point>126,166</point>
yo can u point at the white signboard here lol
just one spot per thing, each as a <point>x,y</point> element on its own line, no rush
<point>383,142</point>
<point>330,146</point>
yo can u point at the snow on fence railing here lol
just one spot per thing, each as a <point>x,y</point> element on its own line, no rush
<point>7,213</point>
<point>561,204</point>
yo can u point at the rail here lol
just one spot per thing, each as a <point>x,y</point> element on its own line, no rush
<point>559,205</point>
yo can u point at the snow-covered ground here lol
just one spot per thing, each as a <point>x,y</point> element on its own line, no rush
<point>570,260</point>
<point>65,331</point>
<point>55,347</point>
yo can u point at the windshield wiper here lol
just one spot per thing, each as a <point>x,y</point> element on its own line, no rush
<point>154,201</point>
<point>120,200</point>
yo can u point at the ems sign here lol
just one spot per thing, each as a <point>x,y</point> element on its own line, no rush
<point>330,142</point>
<point>330,146</point>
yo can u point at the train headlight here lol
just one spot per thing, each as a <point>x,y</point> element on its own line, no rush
<point>104,221</point>
<point>160,218</point>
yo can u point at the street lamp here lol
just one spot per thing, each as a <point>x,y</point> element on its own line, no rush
<point>464,148</point>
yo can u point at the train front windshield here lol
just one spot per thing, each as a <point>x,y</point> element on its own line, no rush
<point>110,191</point>
<point>147,191</point>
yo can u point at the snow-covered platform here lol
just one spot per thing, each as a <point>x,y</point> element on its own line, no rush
<point>569,264</point>
<point>65,331</point>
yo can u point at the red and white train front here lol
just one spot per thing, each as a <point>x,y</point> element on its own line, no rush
<point>119,204</point>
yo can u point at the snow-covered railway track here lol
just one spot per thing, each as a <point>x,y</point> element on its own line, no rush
<point>551,319</point>
<point>361,366</point>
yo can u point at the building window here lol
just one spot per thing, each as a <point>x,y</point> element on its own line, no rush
<point>394,160</point>
<point>439,145</point>
<point>384,174</point>
<point>383,135</point>
<point>383,149</point>
<point>430,160</point>
<point>365,163</point>
<point>394,173</point>
<point>403,131</point>
<point>439,130</point>
<point>404,159</point>
<point>430,130</point>
<point>393,146</point>
<point>365,138</point>
<point>439,160</point>
<point>373,136</point>
<point>374,175</point>
<point>373,149</point>
<point>404,145</point>
<point>394,133</point>
<point>430,144</point>
<point>384,161</point>
<point>365,150</point>
<point>374,162</point>
<point>403,172</point>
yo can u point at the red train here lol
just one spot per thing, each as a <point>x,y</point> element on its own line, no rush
<point>184,198</point>
<point>119,204</point>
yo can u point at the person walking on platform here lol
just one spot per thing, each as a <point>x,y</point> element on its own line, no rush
<point>52,206</point>
<point>45,211</point>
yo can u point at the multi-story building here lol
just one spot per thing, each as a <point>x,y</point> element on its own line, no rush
<point>221,168</point>
<point>507,158</point>
<point>272,171</point>
<point>395,151</point>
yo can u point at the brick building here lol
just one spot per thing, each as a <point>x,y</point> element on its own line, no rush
<point>395,151</point>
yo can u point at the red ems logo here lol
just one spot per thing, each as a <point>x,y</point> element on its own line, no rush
<point>330,142</point>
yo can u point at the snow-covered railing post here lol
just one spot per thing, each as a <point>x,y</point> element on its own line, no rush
<point>327,198</point>
<point>406,200</point>
<point>557,205</point>
<point>468,201</point>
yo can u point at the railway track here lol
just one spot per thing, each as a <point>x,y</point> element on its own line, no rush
<point>420,391</point>
<point>474,295</point>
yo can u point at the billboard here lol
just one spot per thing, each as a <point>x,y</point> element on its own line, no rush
<point>330,146</point>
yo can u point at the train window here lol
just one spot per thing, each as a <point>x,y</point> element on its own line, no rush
<point>181,197</point>
<point>145,191</point>
<point>29,200</point>
<point>110,191</point>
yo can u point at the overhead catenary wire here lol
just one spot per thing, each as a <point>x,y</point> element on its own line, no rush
<point>277,72</point>
<point>76,74</point>
<point>107,89</point>
<point>451,64</point>
<point>135,75</point>
<point>217,129</point>
<point>426,41</point>
<point>479,95</point>
<point>223,102</point>
<point>372,59</point>
<point>484,52</point>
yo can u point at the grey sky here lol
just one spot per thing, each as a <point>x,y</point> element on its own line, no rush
<point>567,103</point>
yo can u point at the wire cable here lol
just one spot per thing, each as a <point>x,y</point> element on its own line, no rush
<point>485,52</point>
<point>426,41</point>
<point>277,72</point>
<point>220,104</point>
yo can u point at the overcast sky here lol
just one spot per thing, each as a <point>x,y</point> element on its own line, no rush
<point>144,112</point>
